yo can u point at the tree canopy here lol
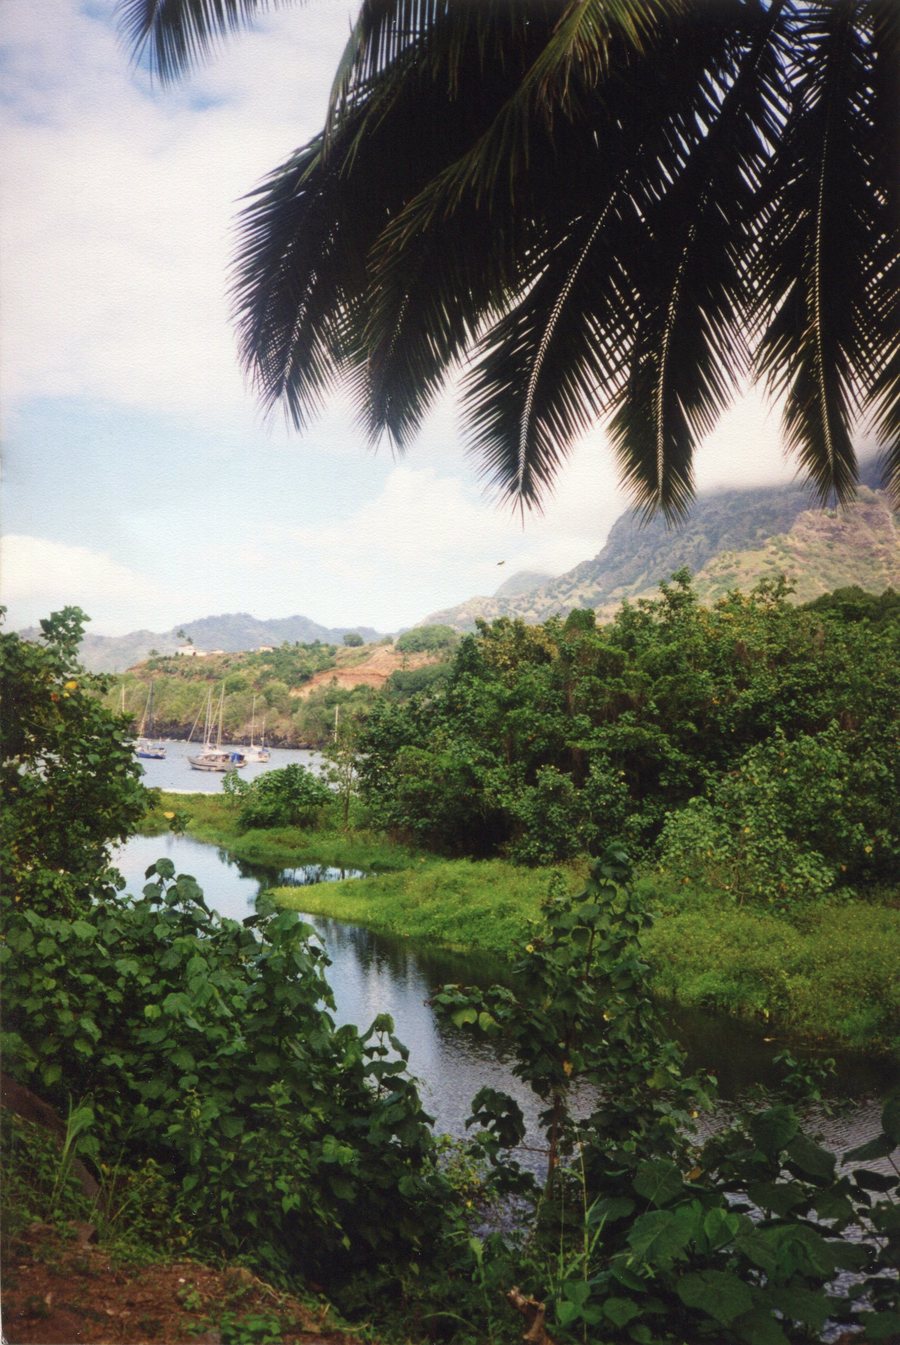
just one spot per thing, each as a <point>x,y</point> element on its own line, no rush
<point>614,209</point>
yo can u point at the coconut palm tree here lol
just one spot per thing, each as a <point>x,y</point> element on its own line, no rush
<point>616,209</point>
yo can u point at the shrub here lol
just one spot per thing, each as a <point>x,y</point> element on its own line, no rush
<point>424,639</point>
<point>70,783</point>
<point>208,1046</point>
<point>290,797</point>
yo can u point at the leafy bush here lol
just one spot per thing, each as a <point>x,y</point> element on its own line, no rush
<point>425,639</point>
<point>70,783</point>
<point>644,714</point>
<point>289,797</point>
<point>208,1046</point>
<point>793,819</point>
<point>550,819</point>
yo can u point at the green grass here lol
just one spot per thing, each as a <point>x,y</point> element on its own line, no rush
<point>209,817</point>
<point>831,976</point>
<point>828,975</point>
<point>458,903</point>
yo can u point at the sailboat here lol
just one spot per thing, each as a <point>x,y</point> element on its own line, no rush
<point>214,756</point>
<point>254,753</point>
<point>146,745</point>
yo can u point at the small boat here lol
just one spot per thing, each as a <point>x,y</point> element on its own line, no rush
<point>254,753</point>
<point>214,756</point>
<point>146,745</point>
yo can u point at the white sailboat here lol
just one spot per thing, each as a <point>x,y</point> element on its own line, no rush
<point>214,756</point>
<point>146,745</point>
<point>254,752</point>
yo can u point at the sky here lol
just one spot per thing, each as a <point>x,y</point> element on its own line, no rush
<point>141,481</point>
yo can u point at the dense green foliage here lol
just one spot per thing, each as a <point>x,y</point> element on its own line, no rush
<point>200,1057</point>
<point>70,784</point>
<point>208,1045</point>
<point>425,639</point>
<point>855,604</point>
<point>289,797</point>
<point>754,735</point>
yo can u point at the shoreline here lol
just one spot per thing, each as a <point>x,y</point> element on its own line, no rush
<point>829,985</point>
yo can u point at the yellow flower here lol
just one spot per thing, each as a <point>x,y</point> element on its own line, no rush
<point>567,1067</point>
<point>529,948</point>
<point>169,816</point>
<point>71,685</point>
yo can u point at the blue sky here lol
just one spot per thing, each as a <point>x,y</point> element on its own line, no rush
<point>140,480</point>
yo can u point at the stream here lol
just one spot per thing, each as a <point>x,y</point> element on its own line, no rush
<point>372,974</point>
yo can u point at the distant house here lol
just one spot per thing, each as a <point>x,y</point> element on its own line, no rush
<point>265,648</point>
<point>190,651</point>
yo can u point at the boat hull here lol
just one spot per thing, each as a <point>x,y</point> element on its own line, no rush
<point>151,751</point>
<point>217,761</point>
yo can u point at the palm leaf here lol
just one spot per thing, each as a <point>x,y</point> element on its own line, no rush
<point>814,282</point>
<point>174,35</point>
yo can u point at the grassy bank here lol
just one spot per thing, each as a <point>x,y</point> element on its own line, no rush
<point>212,818</point>
<point>832,976</point>
<point>827,975</point>
<point>458,903</point>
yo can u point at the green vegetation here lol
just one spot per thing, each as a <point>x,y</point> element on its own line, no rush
<point>545,742</point>
<point>260,689</point>
<point>425,639</point>
<point>463,904</point>
<point>197,1058</point>
<point>70,783</point>
<point>290,797</point>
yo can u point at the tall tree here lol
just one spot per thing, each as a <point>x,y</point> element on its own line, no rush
<point>597,208</point>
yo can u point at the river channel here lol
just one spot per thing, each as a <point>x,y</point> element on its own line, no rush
<point>372,974</point>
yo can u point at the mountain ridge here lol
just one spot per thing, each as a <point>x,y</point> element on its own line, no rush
<point>230,631</point>
<point>731,539</point>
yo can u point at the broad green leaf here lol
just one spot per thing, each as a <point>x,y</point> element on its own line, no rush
<point>620,1310</point>
<point>660,1236</point>
<point>802,1305</point>
<point>779,1197</point>
<point>874,1181</point>
<point>879,1147</point>
<point>464,1016</point>
<point>811,1158</point>
<point>610,1208</point>
<point>881,1325</point>
<point>715,1292</point>
<point>759,1327</point>
<point>773,1130</point>
<point>659,1180</point>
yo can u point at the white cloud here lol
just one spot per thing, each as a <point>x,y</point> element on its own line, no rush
<point>118,241</point>
<point>37,577</point>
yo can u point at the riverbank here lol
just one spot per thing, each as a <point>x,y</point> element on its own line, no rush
<point>828,976</point>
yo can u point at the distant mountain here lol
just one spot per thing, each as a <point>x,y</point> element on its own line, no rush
<point>230,632</point>
<point>731,539</point>
<point>522,582</point>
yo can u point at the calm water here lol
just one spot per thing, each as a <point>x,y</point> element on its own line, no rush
<point>175,773</point>
<point>372,974</point>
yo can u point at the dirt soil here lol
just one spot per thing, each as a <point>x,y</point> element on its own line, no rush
<point>373,669</point>
<point>60,1290</point>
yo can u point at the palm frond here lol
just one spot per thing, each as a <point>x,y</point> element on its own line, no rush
<point>814,282</point>
<point>175,35</point>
